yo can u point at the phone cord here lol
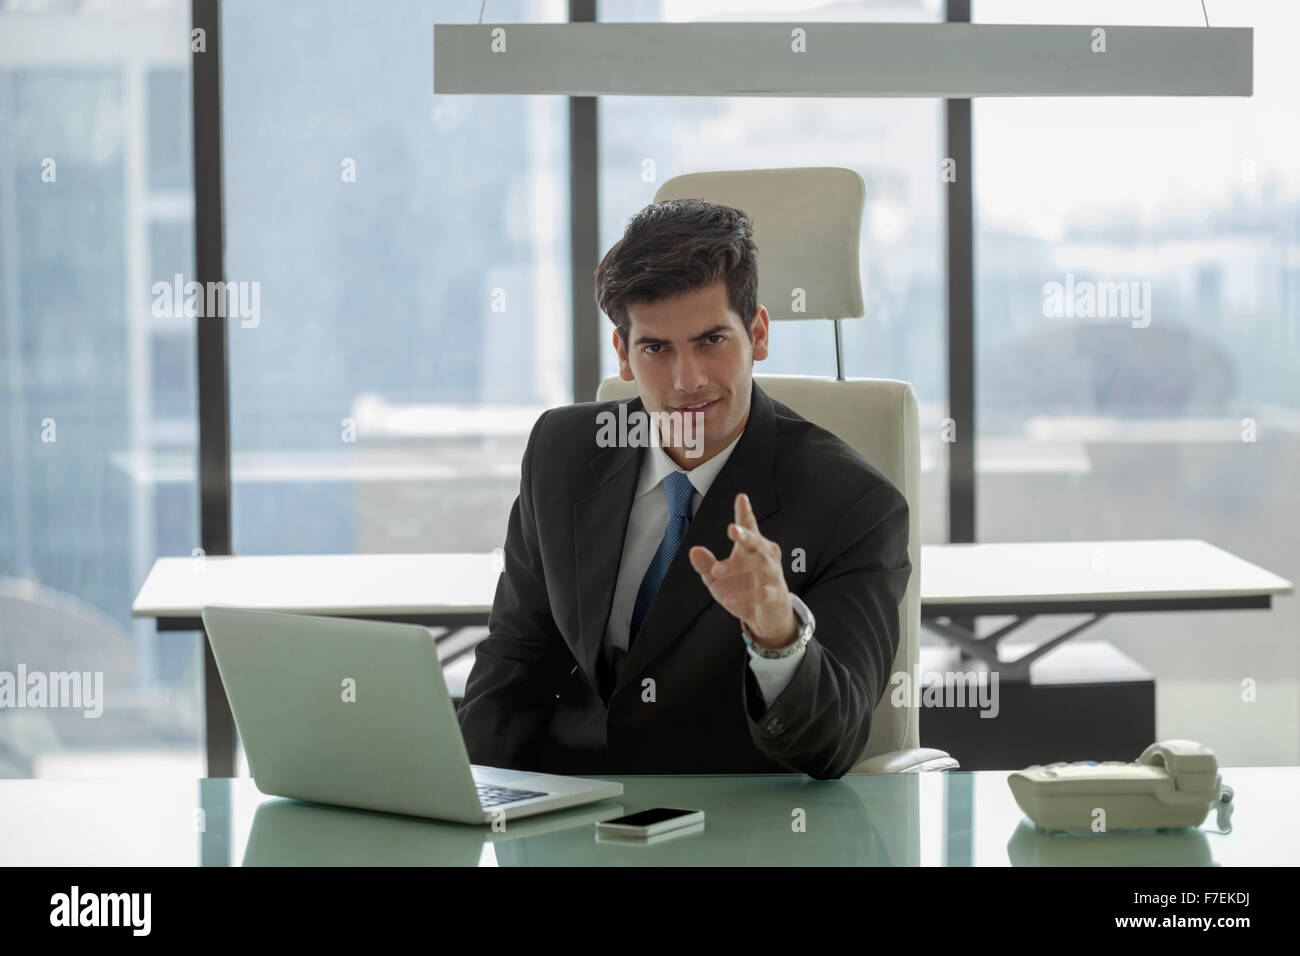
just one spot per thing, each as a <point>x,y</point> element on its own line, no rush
<point>1223,819</point>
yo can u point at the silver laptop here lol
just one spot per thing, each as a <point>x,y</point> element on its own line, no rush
<point>357,714</point>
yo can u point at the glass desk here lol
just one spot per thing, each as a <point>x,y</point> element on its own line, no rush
<point>952,819</point>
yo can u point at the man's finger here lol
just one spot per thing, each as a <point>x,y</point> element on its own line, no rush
<point>702,560</point>
<point>745,539</point>
<point>745,513</point>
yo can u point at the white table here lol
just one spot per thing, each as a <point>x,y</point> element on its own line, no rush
<point>448,590</point>
<point>1082,575</point>
<point>1030,579</point>
<point>958,583</point>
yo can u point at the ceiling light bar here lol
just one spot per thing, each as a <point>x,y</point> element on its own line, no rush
<point>949,60</point>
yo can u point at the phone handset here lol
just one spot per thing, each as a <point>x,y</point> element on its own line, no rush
<point>1191,765</point>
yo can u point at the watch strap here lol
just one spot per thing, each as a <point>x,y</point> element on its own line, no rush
<point>806,624</point>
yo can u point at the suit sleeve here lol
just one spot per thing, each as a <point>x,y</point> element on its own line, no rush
<point>820,723</point>
<point>510,694</point>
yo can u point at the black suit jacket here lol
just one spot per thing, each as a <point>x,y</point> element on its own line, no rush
<point>686,700</point>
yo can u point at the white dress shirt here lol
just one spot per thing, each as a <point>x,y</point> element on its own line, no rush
<point>645,530</point>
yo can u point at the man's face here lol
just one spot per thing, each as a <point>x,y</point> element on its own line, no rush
<point>690,354</point>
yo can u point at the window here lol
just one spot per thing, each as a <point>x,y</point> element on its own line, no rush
<point>412,257</point>
<point>1176,413</point>
<point>98,441</point>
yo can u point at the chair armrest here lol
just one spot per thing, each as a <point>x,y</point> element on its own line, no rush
<point>911,760</point>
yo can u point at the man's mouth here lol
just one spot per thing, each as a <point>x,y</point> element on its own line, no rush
<point>701,407</point>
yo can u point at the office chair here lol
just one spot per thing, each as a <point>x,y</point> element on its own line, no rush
<point>49,630</point>
<point>806,225</point>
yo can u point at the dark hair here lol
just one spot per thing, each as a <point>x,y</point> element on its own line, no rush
<point>676,246</point>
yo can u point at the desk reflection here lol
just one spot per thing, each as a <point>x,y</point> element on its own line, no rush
<point>748,821</point>
<point>1031,845</point>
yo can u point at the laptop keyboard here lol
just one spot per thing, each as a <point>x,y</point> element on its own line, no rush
<point>490,796</point>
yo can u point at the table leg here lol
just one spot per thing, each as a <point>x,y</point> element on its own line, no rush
<point>985,649</point>
<point>219,724</point>
<point>964,625</point>
<point>455,643</point>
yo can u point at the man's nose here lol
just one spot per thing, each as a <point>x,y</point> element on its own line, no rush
<point>690,375</point>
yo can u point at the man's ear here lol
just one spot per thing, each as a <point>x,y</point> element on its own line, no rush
<point>761,329</point>
<point>624,369</point>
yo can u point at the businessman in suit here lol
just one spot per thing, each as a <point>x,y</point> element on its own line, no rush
<point>725,604</point>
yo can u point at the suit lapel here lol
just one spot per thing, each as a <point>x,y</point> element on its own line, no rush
<point>599,527</point>
<point>683,597</point>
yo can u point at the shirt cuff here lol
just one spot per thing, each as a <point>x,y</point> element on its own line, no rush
<point>774,676</point>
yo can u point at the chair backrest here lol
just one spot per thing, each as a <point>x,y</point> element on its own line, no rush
<point>807,224</point>
<point>53,630</point>
<point>878,419</point>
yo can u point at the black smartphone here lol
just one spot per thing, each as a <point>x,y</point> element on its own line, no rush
<point>650,822</point>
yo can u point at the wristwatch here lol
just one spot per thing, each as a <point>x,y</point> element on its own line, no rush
<point>806,624</point>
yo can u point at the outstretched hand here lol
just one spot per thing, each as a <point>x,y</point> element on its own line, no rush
<point>750,583</point>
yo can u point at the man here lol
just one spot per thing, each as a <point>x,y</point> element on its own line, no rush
<point>725,605</point>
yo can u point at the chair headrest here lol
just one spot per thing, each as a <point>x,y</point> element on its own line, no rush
<point>807,223</point>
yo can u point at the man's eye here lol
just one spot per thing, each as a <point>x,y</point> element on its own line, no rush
<point>719,336</point>
<point>652,347</point>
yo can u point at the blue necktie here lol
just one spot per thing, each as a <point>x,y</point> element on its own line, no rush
<point>680,492</point>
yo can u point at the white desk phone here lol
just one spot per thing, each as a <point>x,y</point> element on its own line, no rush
<point>1173,784</point>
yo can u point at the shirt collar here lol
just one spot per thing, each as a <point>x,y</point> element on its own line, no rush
<point>658,466</point>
